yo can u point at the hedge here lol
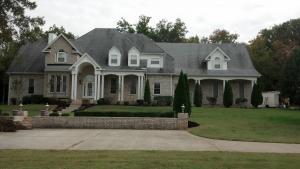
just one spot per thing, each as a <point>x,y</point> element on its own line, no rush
<point>164,100</point>
<point>124,114</point>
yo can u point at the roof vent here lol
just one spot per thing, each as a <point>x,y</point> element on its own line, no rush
<point>51,37</point>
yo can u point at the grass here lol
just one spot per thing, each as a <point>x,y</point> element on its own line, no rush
<point>33,109</point>
<point>265,125</point>
<point>37,159</point>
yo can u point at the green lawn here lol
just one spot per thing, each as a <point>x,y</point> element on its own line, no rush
<point>36,159</point>
<point>33,109</point>
<point>267,125</point>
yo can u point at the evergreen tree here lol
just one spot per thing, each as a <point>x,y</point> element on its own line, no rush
<point>188,104</point>
<point>227,96</point>
<point>179,95</point>
<point>147,94</point>
<point>256,96</point>
<point>198,95</point>
<point>290,84</point>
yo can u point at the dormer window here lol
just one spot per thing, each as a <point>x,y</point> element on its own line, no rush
<point>217,60</point>
<point>133,57</point>
<point>61,56</point>
<point>114,57</point>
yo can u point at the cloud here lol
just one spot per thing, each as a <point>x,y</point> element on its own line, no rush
<point>246,18</point>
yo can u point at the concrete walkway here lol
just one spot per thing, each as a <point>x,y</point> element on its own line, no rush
<point>96,139</point>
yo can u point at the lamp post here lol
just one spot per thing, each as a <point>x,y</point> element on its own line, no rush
<point>182,108</point>
<point>21,107</point>
<point>47,107</point>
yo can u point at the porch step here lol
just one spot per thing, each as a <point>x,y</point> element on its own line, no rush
<point>69,109</point>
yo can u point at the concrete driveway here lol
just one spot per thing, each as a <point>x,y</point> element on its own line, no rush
<point>98,139</point>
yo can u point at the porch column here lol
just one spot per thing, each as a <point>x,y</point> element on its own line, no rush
<point>122,88</point>
<point>95,87</point>
<point>120,91</point>
<point>74,87</point>
<point>102,86</point>
<point>224,81</point>
<point>139,87</point>
<point>98,87</point>
<point>142,87</point>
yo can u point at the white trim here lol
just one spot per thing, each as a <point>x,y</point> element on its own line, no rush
<point>214,51</point>
<point>65,57</point>
<point>114,51</point>
<point>53,41</point>
<point>133,52</point>
<point>85,58</point>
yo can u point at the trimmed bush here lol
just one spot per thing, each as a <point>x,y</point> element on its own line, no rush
<point>13,101</point>
<point>140,102</point>
<point>124,114</point>
<point>54,114</point>
<point>33,99</point>
<point>7,125</point>
<point>65,114</point>
<point>256,96</point>
<point>188,97</point>
<point>212,100</point>
<point>227,96</point>
<point>147,94</point>
<point>198,95</point>
<point>163,100</point>
<point>181,95</point>
<point>241,101</point>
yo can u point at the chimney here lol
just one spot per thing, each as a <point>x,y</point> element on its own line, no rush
<point>51,37</point>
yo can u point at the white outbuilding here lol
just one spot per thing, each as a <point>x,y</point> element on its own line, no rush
<point>270,99</point>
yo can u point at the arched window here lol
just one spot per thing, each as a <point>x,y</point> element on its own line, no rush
<point>61,56</point>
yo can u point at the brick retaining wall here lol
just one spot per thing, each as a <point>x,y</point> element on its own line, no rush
<point>179,123</point>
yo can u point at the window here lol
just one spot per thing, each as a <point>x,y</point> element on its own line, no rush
<point>154,62</point>
<point>114,59</point>
<point>52,83</point>
<point>58,83</point>
<point>64,84</point>
<point>31,86</point>
<point>156,88</point>
<point>133,60</point>
<point>217,66</point>
<point>113,86</point>
<point>241,90</point>
<point>61,56</point>
<point>133,87</point>
<point>90,89</point>
<point>215,89</point>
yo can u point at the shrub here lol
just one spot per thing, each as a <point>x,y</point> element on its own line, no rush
<point>26,100</point>
<point>13,101</point>
<point>65,114</point>
<point>211,100</point>
<point>227,96</point>
<point>7,125</point>
<point>54,114</point>
<point>124,114</point>
<point>140,102</point>
<point>198,95</point>
<point>256,96</point>
<point>147,94</point>
<point>163,100</point>
<point>33,99</point>
<point>181,95</point>
<point>100,101</point>
<point>51,100</point>
<point>241,101</point>
<point>126,103</point>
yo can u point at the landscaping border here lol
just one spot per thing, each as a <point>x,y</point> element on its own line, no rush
<point>179,123</point>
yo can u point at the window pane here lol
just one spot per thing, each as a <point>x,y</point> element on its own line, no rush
<point>58,81</point>
<point>52,83</point>
<point>64,83</point>
<point>133,87</point>
<point>155,62</point>
<point>61,57</point>
<point>90,89</point>
<point>156,88</point>
<point>114,59</point>
<point>217,66</point>
<point>133,59</point>
<point>31,86</point>
<point>113,85</point>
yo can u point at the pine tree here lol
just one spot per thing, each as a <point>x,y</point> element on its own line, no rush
<point>198,95</point>
<point>256,96</point>
<point>147,94</point>
<point>188,105</point>
<point>227,96</point>
<point>179,95</point>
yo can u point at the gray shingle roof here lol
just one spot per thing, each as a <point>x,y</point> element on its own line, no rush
<point>177,56</point>
<point>30,58</point>
<point>189,57</point>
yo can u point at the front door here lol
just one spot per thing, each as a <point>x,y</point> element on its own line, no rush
<point>88,87</point>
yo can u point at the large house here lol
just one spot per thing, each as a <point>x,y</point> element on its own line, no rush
<point>105,63</point>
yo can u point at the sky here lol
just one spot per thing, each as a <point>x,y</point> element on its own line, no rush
<point>202,17</point>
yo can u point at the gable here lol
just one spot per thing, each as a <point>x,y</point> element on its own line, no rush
<point>218,52</point>
<point>57,39</point>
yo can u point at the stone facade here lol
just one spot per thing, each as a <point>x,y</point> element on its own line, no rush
<point>179,123</point>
